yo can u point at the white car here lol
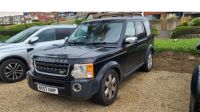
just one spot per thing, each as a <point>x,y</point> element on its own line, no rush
<point>15,52</point>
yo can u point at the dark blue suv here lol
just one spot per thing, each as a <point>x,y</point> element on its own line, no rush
<point>95,59</point>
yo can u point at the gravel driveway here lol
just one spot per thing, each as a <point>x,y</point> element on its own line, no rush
<point>156,91</point>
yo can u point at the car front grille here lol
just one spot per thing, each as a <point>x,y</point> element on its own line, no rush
<point>54,67</point>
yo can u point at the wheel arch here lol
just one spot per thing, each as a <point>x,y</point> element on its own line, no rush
<point>15,57</point>
<point>110,65</point>
<point>151,48</point>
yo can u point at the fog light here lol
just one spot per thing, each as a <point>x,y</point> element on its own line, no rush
<point>77,87</point>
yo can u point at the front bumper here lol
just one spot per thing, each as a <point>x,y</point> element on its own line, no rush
<point>65,88</point>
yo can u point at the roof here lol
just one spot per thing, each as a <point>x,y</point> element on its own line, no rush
<point>56,26</point>
<point>120,18</point>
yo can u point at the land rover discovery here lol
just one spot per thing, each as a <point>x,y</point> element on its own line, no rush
<point>96,58</point>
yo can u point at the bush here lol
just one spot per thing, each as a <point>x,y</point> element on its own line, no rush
<point>79,21</point>
<point>154,31</point>
<point>184,24</point>
<point>14,29</point>
<point>194,22</point>
<point>181,30</point>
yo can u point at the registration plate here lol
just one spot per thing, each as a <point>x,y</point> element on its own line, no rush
<point>47,89</point>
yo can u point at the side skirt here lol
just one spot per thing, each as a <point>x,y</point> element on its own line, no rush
<point>131,71</point>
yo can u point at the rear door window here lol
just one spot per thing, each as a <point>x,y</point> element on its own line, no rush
<point>147,27</point>
<point>61,33</point>
<point>130,30</point>
<point>140,32</point>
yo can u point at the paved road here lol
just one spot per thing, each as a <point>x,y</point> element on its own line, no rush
<point>156,91</point>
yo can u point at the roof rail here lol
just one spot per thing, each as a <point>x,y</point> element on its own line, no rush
<point>112,14</point>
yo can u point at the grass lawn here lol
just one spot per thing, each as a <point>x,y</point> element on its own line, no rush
<point>177,45</point>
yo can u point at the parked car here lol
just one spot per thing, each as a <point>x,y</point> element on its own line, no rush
<point>97,57</point>
<point>16,51</point>
<point>195,88</point>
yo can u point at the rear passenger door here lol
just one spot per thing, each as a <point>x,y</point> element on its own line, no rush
<point>142,42</point>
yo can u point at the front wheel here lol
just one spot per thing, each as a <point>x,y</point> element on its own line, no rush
<point>12,70</point>
<point>148,62</point>
<point>108,90</point>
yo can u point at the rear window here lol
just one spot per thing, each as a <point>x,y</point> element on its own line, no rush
<point>61,33</point>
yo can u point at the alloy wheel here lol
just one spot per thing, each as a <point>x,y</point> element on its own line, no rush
<point>110,86</point>
<point>13,71</point>
<point>150,61</point>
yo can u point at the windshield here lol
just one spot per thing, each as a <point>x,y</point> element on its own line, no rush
<point>100,32</point>
<point>22,36</point>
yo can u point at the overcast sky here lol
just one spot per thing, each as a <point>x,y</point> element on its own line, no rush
<point>10,13</point>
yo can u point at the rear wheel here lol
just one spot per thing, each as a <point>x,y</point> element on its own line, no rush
<point>12,70</point>
<point>148,62</point>
<point>108,90</point>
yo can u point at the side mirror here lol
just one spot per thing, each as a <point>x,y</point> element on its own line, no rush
<point>130,40</point>
<point>33,40</point>
<point>198,46</point>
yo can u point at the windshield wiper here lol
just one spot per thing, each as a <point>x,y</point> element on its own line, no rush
<point>77,43</point>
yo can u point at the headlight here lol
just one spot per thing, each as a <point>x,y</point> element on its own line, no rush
<point>83,71</point>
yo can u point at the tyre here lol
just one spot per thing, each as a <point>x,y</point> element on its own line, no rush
<point>108,90</point>
<point>12,70</point>
<point>148,64</point>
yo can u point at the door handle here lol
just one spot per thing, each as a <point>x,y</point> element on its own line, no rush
<point>30,49</point>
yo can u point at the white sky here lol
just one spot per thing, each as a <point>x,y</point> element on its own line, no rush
<point>10,13</point>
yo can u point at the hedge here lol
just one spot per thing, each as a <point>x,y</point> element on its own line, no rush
<point>181,30</point>
<point>14,29</point>
<point>3,38</point>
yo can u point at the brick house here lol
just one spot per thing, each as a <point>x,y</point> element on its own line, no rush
<point>41,16</point>
<point>7,20</point>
